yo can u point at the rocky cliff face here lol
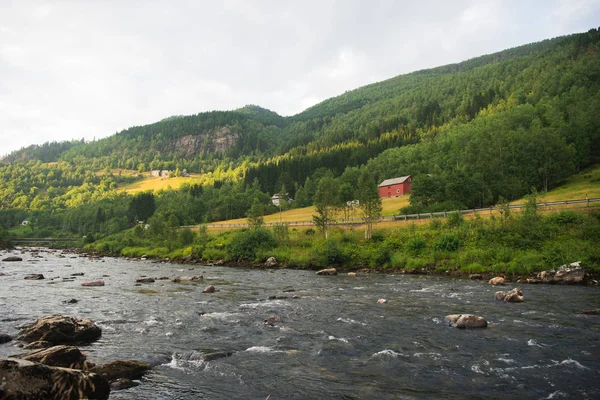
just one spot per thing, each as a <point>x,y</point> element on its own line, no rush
<point>220,139</point>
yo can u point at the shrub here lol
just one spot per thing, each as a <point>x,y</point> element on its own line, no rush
<point>448,242</point>
<point>416,244</point>
<point>244,244</point>
<point>566,217</point>
<point>398,260</point>
<point>454,219</point>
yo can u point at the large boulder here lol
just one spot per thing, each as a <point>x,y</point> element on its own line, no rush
<point>513,296</point>
<point>571,273</point>
<point>466,321</point>
<point>57,356</point>
<point>60,329</point>
<point>119,369</point>
<point>27,380</point>
<point>327,271</point>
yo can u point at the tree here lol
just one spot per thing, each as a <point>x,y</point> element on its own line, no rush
<point>142,206</point>
<point>255,214</point>
<point>326,203</point>
<point>369,201</point>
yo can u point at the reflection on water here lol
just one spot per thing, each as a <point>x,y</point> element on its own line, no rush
<point>332,341</point>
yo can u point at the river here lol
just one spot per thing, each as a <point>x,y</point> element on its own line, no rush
<point>334,340</point>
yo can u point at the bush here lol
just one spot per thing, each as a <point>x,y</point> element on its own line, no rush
<point>448,242</point>
<point>454,219</point>
<point>186,236</point>
<point>416,244</point>
<point>566,217</point>
<point>244,244</point>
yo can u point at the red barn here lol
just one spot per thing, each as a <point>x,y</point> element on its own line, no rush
<point>395,187</point>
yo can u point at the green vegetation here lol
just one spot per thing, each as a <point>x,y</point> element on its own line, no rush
<point>487,131</point>
<point>519,244</point>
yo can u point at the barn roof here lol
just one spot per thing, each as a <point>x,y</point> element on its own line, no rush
<point>394,181</point>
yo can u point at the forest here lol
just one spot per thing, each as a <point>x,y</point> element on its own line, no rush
<point>481,132</point>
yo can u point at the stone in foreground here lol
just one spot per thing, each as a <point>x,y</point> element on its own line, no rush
<point>25,380</point>
<point>59,329</point>
<point>513,296</point>
<point>327,271</point>
<point>57,356</point>
<point>466,321</point>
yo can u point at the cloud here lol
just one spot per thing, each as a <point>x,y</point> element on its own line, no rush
<point>90,69</point>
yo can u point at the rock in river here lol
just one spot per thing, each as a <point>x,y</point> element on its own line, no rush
<point>209,289</point>
<point>568,273</point>
<point>496,281</point>
<point>129,369</point>
<point>271,262</point>
<point>57,356</point>
<point>93,283</point>
<point>466,321</point>
<point>513,296</point>
<point>34,277</point>
<point>26,380</point>
<point>327,271</point>
<point>59,329</point>
<point>4,338</point>
<point>13,258</point>
<point>145,280</point>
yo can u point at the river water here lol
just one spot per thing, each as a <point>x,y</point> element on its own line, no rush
<point>333,342</point>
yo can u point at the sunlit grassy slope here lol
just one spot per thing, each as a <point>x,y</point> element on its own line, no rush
<point>155,184</point>
<point>390,207</point>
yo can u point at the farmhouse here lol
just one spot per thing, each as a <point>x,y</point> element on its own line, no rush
<point>276,199</point>
<point>395,187</point>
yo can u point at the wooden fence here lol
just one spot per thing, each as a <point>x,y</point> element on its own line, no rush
<point>408,217</point>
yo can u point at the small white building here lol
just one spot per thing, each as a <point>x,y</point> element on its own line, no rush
<point>276,198</point>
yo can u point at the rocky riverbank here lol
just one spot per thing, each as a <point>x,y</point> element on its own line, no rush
<point>55,369</point>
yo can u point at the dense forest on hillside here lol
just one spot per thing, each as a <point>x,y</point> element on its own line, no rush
<point>476,133</point>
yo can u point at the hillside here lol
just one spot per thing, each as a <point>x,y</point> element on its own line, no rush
<point>471,134</point>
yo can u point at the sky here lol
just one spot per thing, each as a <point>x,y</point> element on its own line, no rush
<point>87,69</point>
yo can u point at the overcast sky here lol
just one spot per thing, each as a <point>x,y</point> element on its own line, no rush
<point>90,68</point>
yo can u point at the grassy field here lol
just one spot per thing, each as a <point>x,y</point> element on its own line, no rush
<point>155,184</point>
<point>390,207</point>
<point>585,183</point>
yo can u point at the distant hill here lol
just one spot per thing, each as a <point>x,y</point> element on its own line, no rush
<point>493,126</point>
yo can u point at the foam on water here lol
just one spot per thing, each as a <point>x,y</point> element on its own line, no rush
<point>387,353</point>
<point>343,340</point>
<point>350,321</point>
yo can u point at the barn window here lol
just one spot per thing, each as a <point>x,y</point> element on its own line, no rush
<point>409,179</point>
<point>397,190</point>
